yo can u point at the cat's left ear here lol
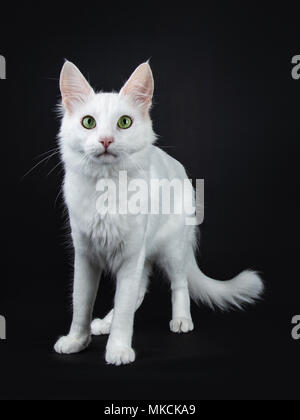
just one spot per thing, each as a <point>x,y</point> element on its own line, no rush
<point>140,86</point>
<point>75,89</point>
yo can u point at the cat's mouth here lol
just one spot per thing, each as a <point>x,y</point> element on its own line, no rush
<point>104,154</point>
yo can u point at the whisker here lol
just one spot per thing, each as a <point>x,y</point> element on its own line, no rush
<point>39,163</point>
<point>56,149</point>
<point>53,169</point>
<point>59,193</point>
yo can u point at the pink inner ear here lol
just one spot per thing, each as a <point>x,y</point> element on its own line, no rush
<point>74,87</point>
<point>140,86</point>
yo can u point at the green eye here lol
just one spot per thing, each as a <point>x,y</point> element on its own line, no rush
<point>88,122</point>
<point>125,122</point>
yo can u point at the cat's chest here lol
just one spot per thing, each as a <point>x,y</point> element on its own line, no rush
<point>91,214</point>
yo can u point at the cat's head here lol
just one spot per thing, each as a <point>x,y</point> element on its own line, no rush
<point>105,129</point>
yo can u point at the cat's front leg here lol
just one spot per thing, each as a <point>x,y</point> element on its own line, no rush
<point>103,326</point>
<point>86,282</point>
<point>119,349</point>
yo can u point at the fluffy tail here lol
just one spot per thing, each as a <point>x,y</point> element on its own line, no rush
<point>243,289</point>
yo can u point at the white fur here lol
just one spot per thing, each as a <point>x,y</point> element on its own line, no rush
<point>127,245</point>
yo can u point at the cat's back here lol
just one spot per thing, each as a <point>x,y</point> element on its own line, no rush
<point>164,166</point>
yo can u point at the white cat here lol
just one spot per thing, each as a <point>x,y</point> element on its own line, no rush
<point>102,134</point>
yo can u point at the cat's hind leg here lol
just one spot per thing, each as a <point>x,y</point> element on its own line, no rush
<point>176,270</point>
<point>102,326</point>
<point>181,314</point>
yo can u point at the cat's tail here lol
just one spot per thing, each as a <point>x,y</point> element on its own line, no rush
<point>246,288</point>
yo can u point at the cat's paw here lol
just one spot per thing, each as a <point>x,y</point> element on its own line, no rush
<point>71,344</point>
<point>119,355</point>
<point>181,325</point>
<point>100,327</point>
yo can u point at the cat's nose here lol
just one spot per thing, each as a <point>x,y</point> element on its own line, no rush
<point>106,141</point>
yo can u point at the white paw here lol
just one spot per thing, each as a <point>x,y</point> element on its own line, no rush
<point>181,325</point>
<point>100,327</point>
<point>119,355</point>
<point>71,345</point>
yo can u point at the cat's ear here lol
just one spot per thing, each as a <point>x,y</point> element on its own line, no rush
<point>140,86</point>
<point>75,89</point>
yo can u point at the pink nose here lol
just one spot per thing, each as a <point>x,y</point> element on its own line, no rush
<point>106,141</point>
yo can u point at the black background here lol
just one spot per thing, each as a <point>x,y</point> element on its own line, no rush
<point>227,107</point>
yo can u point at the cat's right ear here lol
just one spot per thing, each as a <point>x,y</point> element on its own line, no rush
<point>75,89</point>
